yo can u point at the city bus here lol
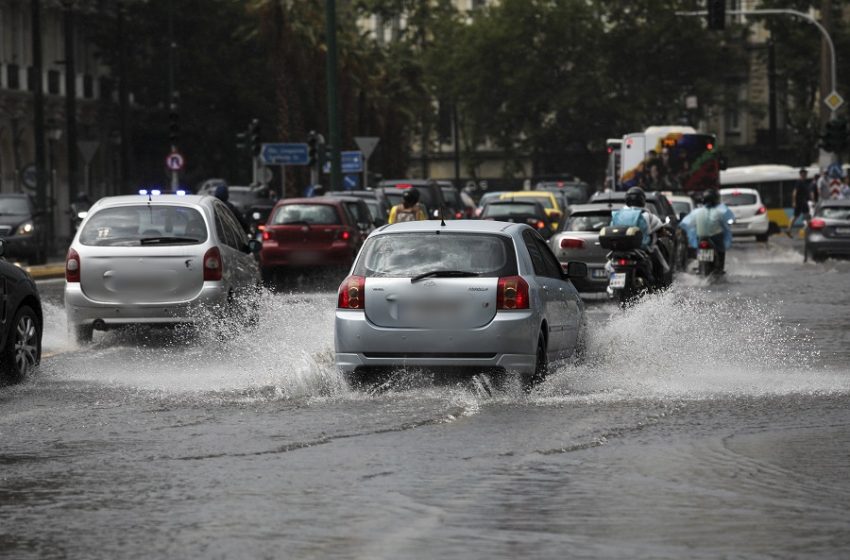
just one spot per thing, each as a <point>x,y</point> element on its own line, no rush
<point>774,184</point>
<point>669,158</point>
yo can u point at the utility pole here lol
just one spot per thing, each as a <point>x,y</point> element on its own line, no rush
<point>123,102</point>
<point>333,102</point>
<point>38,115</point>
<point>173,95</point>
<point>70,98</point>
<point>771,96</point>
<point>456,143</point>
<point>827,83</point>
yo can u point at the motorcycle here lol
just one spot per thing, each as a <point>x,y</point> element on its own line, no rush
<point>708,258</point>
<point>628,264</point>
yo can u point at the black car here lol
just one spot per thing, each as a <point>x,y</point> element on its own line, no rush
<point>22,322</point>
<point>358,212</point>
<point>430,195</point>
<point>379,206</point>
<point>519,212</point>
<point>674,247</point>
<point>22,227</point>
<point>254,203</point>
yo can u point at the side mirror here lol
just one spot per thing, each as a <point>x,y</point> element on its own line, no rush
<point>574,269</point>
<point>254,246</point>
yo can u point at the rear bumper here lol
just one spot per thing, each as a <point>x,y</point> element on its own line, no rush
<point>756,225</point>
<point>274,255</point>
<point>827,246</point>
<point>508,342</point>
<point>81,310</point>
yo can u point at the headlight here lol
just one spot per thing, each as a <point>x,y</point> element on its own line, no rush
<point>26,228</point>
<point>256,215</point>
<point>82,215</point>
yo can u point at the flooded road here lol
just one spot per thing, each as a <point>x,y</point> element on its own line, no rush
<point>710,421</point>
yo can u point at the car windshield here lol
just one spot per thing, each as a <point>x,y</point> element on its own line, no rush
<point>834,213</point>
<point>681,207</point>
<point>310,214</point>
<point>588,222</point>
<point>510,209</point>
<point>545,201</point>
<point>14,205</point>
<point>144,224</point>
<point>411,254</point>
<point>738,199</point>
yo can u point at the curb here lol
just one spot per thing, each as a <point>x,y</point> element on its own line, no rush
<point>46,271</point>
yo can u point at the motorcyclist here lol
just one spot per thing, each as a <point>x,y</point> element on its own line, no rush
<point>711,221</point>
<point>223,194</point>
<point>409,210</point>
<point>634,214</point>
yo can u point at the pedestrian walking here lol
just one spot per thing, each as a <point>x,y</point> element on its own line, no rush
<point>800,197</point>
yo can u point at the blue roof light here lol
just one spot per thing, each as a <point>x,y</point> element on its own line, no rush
<point>143,192</point>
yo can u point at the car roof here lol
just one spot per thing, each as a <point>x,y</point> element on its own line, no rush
<point>594,207</point>
<point>453,226</point>
<point>184,199</point>
<point>329,200</point>
<point>731,190</point>
<point>538,194</point>
<point>835,203</point>
<point>679,198</point>
<point>621,195</point>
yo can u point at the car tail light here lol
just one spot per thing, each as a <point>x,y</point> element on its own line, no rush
<point>704,244</point>
<point>72,266</point>
<point>266,235</point>
<point>817,223</point>
<point>345,235</point>
<point>572,243</point>
<point>540,224</point>
<point>761,210</point>
<point>458,215</point>
<point>352,293</point>
<point>213,267</point>
<point>512,293</point>
<point>404,186</point>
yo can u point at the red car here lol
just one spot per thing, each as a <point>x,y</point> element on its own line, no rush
<point>309,232</point>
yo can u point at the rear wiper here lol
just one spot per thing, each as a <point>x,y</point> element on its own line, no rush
<point>162,240</point>
<point>443,274</point>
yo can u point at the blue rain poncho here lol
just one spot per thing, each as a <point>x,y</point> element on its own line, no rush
<point>718,215</point>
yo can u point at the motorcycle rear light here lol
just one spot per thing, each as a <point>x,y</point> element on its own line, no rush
<point>572,243</point>
<point>512,293</point>
<point>704,245</point>
<point>352,293</point>
<point>817,223</point>
<point>213,267</point>
<point>72,266</point>
<point>625,262</point>
<point>761,210</point>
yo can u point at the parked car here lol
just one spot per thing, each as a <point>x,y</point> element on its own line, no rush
<point>430,195</point>
<point>578,241</point>
<point>379,206</point>
<point>22,322</point>
<point>472,294</point>
<point>828,232</point>
<point>675,246</point>
<point>547,199</point>
<point>309,232</point>
<point>23,228</point>
<point>154,260</point>
<point>750,213</point>
<point>520,212</point>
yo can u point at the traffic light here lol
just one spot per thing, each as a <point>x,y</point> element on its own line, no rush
<point>254,137</point>
<point>835,136</point>
<point>173,125</point>
<point>716,14</point>
<point>241,140</point>
<point>312,148</point>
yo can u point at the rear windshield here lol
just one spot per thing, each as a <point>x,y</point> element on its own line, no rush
<point>588,222</point>
<point>518,208</point>
<point>145,225</point>
<point>545,201</point>
<point>318,214</point>
<point>14,205</point>
<point>410,254</point>
<point>738,199</point>
<point>452,198</point>
<point>834,213</point>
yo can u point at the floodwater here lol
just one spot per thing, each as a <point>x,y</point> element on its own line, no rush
<point>711,421</point>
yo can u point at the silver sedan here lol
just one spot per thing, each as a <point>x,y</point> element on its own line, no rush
<point>578,240</point>
<point>828,232</point>
<point>468,294</point>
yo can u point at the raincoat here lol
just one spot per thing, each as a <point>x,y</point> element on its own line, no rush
<point>689,224</point>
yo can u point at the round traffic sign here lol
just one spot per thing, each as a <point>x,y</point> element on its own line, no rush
<point>174,161</point>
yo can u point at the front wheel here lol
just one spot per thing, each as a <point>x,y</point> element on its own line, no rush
<point>23,345</point>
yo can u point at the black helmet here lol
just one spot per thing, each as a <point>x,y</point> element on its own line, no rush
<point>635,197</point>
<point>410,196</point>
<point>711,197</point>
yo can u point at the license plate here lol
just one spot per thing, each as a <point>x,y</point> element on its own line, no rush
<point>598,273</point>
<point>705,255</point>
<point>842,231</point>
<point>618,280</point>
<point>431,311</point>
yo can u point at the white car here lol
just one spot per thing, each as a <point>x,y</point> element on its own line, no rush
<point>750,213</point>
<point>682,205</point>
<point>472,294</point>
<point>153,260</point>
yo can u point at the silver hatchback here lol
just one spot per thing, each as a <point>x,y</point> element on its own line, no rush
<point>155,260</point>
<point>471,294</point>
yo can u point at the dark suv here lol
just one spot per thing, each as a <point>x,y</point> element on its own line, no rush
<point>22,227</point>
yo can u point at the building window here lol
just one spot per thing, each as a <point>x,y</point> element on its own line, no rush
<point>88,86</point>
<point>53,78</point>
<point>733,123</point>
<point>13,76</point>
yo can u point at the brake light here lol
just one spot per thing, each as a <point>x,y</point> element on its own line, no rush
<point>72,266</point>
<point>404,186</point>
<point>512,293</point>
<point>761,210</point>
<point>345,235</point>
<point>817,223</point>
<point>704,244</point>
<point>625,262</point>
<point>213,267</point>
<point>572,243</point>
<point>352,293</point>
<point>266,235</point>
<point>541,224</point>
<point>458,215</point>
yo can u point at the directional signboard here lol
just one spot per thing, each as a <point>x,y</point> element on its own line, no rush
<point>350,182</point>
<point>352,162</point>
<point>284,154</point>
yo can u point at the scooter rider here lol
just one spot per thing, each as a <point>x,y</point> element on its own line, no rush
<point>409,210</point>
<point>711,221</point>
<point>635,215</point>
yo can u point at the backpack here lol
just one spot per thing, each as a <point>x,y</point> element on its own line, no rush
<point>632,217</point>
<point>403,214</point>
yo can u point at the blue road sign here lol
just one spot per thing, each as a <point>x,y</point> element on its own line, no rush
<point>284,154</point>
<point>352,162</point>
<point>350,182</point>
